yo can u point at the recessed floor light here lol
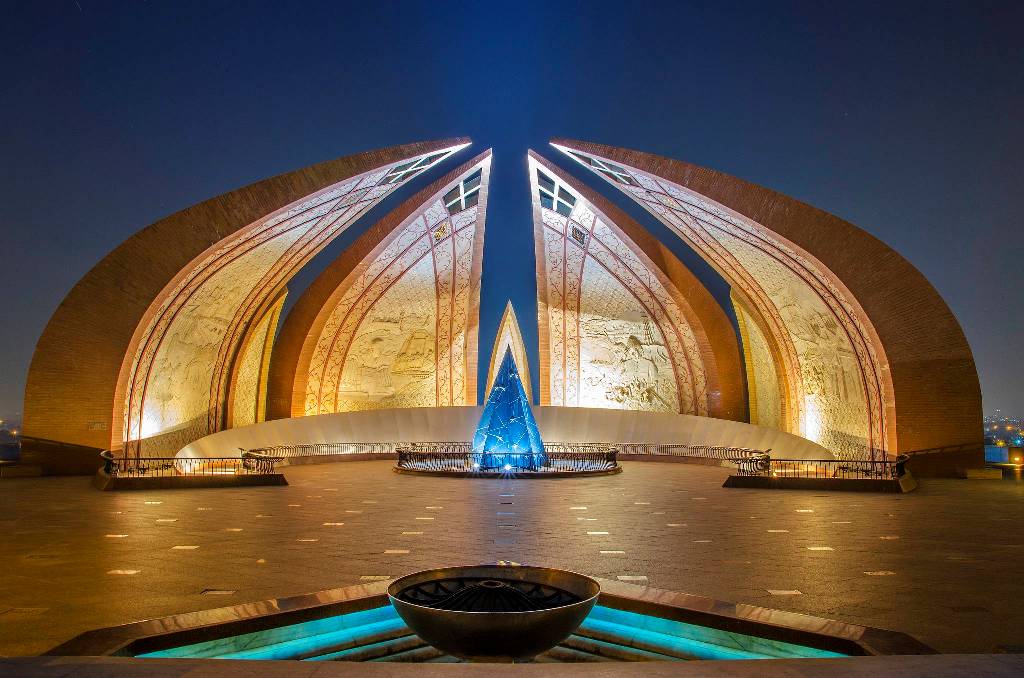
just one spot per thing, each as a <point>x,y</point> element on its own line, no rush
<point>631,577</point>
<point>613,553</point>
<point>333,524</point>
<point>218,592</point>
<point>412,533</point>
<point>784,592</point>
<point>778,530</point>
<point>115,536</point>
<point>597,533</point>
<point>820,548</point>
<point>396,551</point>
<point>879,573</point>
<point>375,577</point>
<point>184,548</point>
<point>166,520</point>
<point>233,529</point>
<point>123,571</point>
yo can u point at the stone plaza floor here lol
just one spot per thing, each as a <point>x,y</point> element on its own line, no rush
<point>944,563</point>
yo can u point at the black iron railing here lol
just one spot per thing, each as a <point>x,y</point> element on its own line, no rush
<point>324,449</point>
<point>465,461</point>
<point>685,450</point>
<point>551,448</point>
<point>155,467</point>
<point>764,465</point>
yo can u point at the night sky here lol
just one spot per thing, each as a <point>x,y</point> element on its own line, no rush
<point>907,121</point>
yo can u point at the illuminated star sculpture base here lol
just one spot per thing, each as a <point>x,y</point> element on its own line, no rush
<point>507,437</point>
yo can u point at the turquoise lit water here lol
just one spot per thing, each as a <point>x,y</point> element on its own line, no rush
<point>341,636</point>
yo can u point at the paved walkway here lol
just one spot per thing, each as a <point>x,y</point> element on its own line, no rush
<point>943,563</point>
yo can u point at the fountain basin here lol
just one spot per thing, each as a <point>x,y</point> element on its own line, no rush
<point>494,612</point>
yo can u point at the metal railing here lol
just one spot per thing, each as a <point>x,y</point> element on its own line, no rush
<point>324,449</point>
<point>650,449</point>
<point>963,447</point>
<point>156,467</point>
<point>683,450</point>
<point>764,465</point>
<point>465,461</point>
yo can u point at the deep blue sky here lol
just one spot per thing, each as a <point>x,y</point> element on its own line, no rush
<point>906,120</point>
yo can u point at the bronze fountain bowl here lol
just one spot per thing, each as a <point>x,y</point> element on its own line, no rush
<point>494,612</point>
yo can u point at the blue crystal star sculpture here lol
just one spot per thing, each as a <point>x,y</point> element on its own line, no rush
<point>507,437</point>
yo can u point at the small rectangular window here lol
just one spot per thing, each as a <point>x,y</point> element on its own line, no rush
<point>546,182</point>
<point>547,201</point>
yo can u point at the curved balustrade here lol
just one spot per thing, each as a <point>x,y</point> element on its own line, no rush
<point>465,448</point>
<point>449,460</point>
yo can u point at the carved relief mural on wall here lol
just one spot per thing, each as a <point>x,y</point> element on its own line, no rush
<point>765,390</point>
<point>819,335</point>
<point>249,390</point>
<point>179,376</point>
<point>614,334</point>
<point>399,332</point>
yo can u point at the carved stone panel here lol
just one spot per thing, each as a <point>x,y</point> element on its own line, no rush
<point>180,374</point>
<point>823,339</point>
<point>397,334</point>
<point>614,332</point>
<point>248,393</point>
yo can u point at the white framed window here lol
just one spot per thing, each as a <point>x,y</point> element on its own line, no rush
<point>465,195</point>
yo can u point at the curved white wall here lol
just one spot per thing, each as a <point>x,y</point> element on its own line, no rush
<point>557,424</point>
